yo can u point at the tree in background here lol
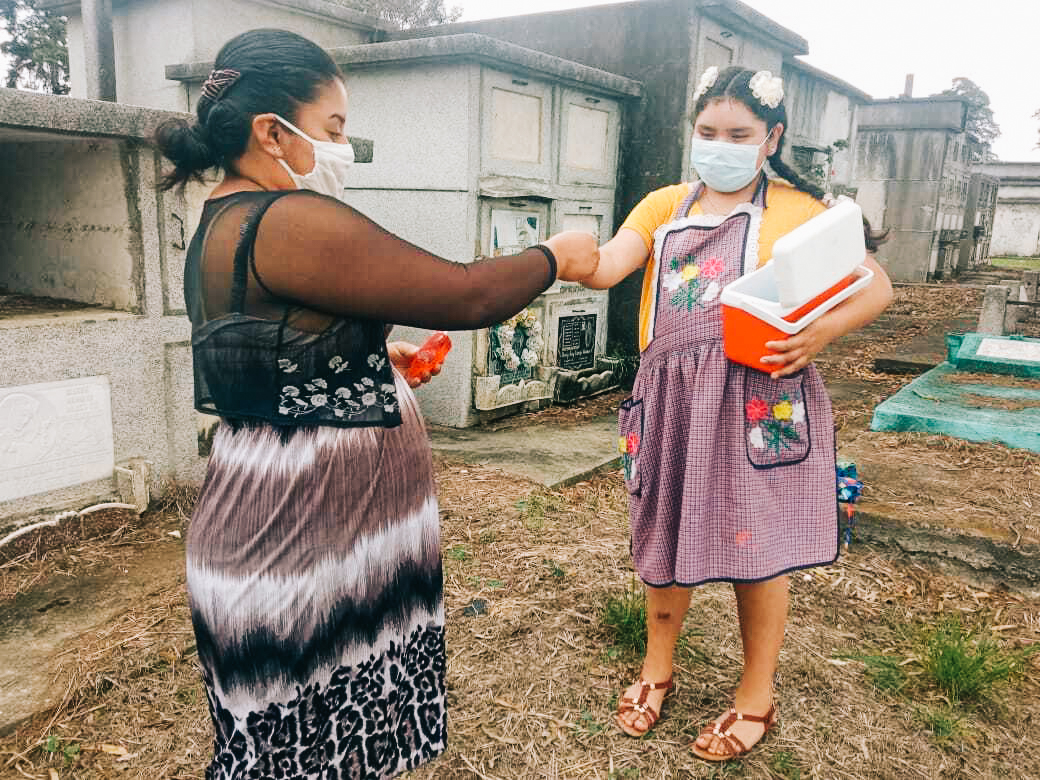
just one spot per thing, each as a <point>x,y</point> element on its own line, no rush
<point>980,128</point>
<point>38,55</point>
<point>407,13</point>
<point>36,48</point>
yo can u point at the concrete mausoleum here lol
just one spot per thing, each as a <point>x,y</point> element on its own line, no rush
<point>912,175</point>
<point>95,344</point>
<point>1016,226</point>
<point>148,35</point>
<point>95,363</point>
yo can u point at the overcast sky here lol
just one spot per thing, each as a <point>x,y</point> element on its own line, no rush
<point>873,45</point>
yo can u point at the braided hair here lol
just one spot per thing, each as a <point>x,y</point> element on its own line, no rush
<point>734,83</point>
<point>257,72</point>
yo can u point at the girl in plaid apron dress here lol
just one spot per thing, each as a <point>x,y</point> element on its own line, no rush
<point>730,470</point>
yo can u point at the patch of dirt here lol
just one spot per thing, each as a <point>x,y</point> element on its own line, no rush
<point>533,681</point>
<point>569,414</point>
<point>941,482</point>
<point>996,380</point>
<point>993,402</point>
<point>83,544</point>
<point>31,305</point>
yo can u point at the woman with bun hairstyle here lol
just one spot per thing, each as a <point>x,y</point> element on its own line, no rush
<point>313,557</point>
<point>730,470</point>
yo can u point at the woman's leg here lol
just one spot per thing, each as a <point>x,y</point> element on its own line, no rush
<point>665,610</point>
<point>762,609</point>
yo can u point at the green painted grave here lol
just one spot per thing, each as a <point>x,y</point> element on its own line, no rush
<point>988,390</point>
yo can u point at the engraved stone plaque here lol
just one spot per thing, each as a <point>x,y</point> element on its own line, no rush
<point>54,435</point>
<point>577,345</point>
<point>1007,349</point>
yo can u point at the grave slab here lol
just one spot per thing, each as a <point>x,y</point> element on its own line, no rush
<point>1010,355</point>
<point>924,351</point>
<point>976,407</point>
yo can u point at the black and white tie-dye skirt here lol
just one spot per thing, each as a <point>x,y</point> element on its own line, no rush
<point>314,577</point>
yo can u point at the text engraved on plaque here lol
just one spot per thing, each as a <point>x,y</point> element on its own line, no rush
<point>54,436</point>
<point>577,343</point>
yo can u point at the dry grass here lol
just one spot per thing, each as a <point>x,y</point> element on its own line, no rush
<point>533,681</point>
<point>943,482</point>
<point>76,543</point>
<point>91,541</point>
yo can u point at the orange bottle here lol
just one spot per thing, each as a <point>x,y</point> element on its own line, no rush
<point>430,355</point>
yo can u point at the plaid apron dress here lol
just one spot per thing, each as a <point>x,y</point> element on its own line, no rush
<point>730,473</point>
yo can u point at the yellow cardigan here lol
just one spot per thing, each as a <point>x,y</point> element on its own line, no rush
<point>786,208</point>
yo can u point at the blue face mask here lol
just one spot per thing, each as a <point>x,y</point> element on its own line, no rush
<point>724,166</point>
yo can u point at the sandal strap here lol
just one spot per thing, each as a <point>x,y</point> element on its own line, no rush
<point>639,705</point>
<point>645,688</point>
<point>734,746</point>
<point>733,716</point>
<point>645,711</point>
<point>733,743</point>
<point>658,686</point>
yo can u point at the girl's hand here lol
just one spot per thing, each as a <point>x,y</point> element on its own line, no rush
<point>577,255</point>
<point>401,354</point>
<point>799,350</point>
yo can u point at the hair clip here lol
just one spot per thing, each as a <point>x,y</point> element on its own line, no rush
<point>218,82</point>
<point>708,79</point>
<point>769,89</point>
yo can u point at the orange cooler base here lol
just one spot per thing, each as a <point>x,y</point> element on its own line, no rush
<point>745,335</point>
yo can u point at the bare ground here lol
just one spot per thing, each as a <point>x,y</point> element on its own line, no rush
<point>533,680</point>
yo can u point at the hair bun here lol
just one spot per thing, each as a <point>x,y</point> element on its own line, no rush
<point>188,147</point>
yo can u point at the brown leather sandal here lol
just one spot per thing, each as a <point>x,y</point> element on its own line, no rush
<point>734,747</point>
<point>639,705</point>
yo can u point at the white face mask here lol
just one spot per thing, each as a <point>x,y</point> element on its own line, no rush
<point>725,166</point>
<point>332,163</point>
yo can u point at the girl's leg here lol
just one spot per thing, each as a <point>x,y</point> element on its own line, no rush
<point>665,610</point>
<point>762,609</point>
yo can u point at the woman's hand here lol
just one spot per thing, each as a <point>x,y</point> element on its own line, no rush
<point>401,354</point>
<point>577,255</point>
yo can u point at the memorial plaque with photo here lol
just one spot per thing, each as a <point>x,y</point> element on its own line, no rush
<point>513,231</point>
<point>576,348</point>
<point>496,365</point>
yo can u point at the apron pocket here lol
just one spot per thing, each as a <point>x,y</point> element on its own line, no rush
<point>630,440</point>
<point>776,424</point>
